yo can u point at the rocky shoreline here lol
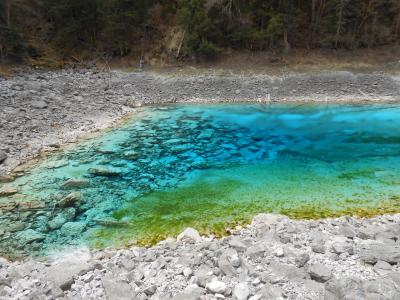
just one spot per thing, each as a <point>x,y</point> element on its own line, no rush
<point>272,258</point>
<point>43,110</point>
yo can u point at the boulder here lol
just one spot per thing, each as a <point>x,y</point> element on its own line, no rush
<point>189,235</point>
<point>191,292</point>
<point>63,272</point>
<point>301,259</point>
<point>237,243</point>
<point>116,289</point>
<point>204,274</point>
<point>73,228</point>
<point>344,289</point>
<point>216,287</point>
<point>257,250</point>
<point>341,245</point>
<point>353,288</point>
<point>261,220</point>
<point>3,156</point>
<point>58,221</point>
<point>150,290</point>
<point>228,261</point>
<point>269,292</point>
<point>372,252</point>
<point>283,272</point>
<point>29,236</point>
<point>346,231</point>
<point>241,291</point>
<point>318,248</point>
<point>381,288</point>
<point>382,265</point>
<point>319,272</point>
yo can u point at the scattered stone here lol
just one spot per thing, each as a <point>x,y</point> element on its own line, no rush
<point>372,252</point>
<point>318,248</point>
<point>216,287</point>
<point>341,245</point>
<point>347,231</point>
<point>241,291</point>
<point>150,290</point>
<point>302,259</point>
<point>39,104</point>
<point>236,243</point>
<point>382,265</point>
<point>319,272</point>
<point>63,272</point>
<point>117,290</point>
<point>189,235</point>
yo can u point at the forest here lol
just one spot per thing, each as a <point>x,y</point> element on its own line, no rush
<point>190,29</point>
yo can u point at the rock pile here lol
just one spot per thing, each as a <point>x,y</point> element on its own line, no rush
<point>273,258</point>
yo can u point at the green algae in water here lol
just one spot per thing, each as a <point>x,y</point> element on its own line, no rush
<point>213,199</point>
<point>209,167</point>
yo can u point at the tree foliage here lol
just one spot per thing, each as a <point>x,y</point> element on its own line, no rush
<point>120,27</point>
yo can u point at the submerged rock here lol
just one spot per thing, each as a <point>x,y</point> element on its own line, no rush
<point>8,191</point>
<point>75,183</point>
<point>73,228</point>
<point>104,172</point>
<point>71,200</point>
<point>29,236</point>
<point>56,222</point>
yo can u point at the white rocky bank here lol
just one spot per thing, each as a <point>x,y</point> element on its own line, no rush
<point>273,258</point>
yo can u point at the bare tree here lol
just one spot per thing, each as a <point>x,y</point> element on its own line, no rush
<point>339,22</point>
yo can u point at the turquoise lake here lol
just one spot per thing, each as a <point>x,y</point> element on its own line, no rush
<point>207,167</point>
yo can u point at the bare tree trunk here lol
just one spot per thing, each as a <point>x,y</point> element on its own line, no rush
<point>2,58</point>
<point>286,47</point>
<point>178,52</point>
<point>8,12</point>
<point>339,23</point>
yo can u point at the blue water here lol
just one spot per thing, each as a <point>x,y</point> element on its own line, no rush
<point>208,166</point>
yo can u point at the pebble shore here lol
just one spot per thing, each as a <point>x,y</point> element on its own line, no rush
<point>272,258</point>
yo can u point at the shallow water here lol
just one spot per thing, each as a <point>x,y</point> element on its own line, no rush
<point>208,166</point>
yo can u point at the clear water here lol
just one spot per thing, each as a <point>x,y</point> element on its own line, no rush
<point>209,166</point>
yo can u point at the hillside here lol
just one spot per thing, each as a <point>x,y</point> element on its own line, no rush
<point>54,33</point>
